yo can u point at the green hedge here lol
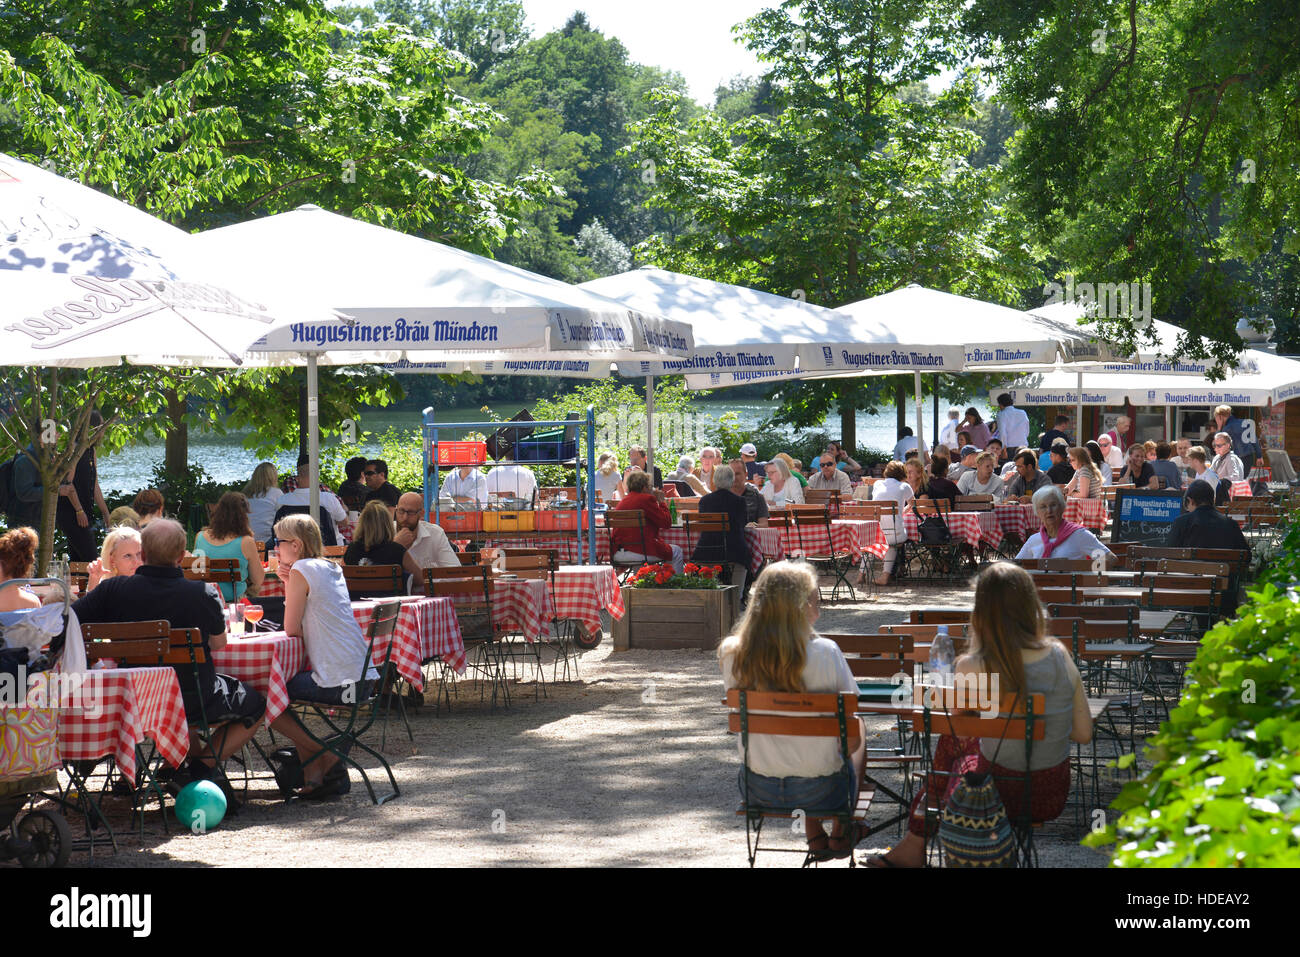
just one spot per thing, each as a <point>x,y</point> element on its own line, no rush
<point>1224,786</point>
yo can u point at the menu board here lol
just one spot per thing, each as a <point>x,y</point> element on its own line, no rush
<point>1143,515</point>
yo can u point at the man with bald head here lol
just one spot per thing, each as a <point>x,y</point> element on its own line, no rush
<point>160,590</point>
<point>427,543</point>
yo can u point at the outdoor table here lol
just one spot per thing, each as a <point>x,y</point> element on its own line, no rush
<point>522,604</point>
<point>272,587</point>
<point>1239,489</point>
<point>968,527</point>
<point>135,703</point>
<point>581,591</point>
<point>427,628</point>
<point>1019,520</point>
<point>264,661</point>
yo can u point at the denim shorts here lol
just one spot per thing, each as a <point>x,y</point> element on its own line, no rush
<point>833,792</point>
<point>303,687</point>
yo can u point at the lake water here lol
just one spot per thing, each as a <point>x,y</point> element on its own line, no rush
<point>225,458</point>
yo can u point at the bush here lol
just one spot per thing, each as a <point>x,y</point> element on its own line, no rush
<point>1222,789</point>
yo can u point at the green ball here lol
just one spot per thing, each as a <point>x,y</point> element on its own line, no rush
<point>200,806</point>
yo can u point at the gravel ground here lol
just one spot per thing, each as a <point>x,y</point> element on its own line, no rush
<point>631,766</point>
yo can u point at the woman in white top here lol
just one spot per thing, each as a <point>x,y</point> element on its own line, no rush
<point>775,649</point>
<point>780,489</point>
<point>119,556</point>
<point>1059,538</point>
<point>982,480</point>
<point>1099,460</point>
<point>263,494</point>
<point>892,488</point>
<point>608,482</point>
<point>317,610</point>
<point>1087,480</point>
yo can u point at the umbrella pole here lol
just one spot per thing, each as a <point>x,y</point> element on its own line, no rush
<point>313,435</point>
<point>920,420</point>
<point>650,427</point>
<point>1078,409</point>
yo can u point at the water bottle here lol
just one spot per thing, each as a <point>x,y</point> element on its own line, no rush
<point>672,511</point>
<point>942,657</point>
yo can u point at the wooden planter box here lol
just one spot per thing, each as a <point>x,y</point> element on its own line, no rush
<point>676,617</point>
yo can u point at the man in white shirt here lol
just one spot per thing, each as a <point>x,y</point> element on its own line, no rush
<point>828,477</point>
<point>948,437</point>
<point>1013,425</point>
<point>334,508</point>
<point>906,442</point>
<point>465,484</point>
<point>518,480</point>
<point>1110,452</point>
<point>426,542</point>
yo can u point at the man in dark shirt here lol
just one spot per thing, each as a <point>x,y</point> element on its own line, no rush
<point>755,504</point>
<point>1203,525</point>
<point>1165,469</point>
<point>713,547</point>
<point>159,590</point>
<point>381,490</point>
<point>1051,436</point>
<point>353,491</point>
<point>637,458</point>
<point>1060,473</point>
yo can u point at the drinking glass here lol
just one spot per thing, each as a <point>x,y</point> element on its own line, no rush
<point>252,615</point>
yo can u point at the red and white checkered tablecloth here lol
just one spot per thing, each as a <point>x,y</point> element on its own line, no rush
<point>265,663</point>
<point>272,587</point>
<point>120,707</point>
<point>581,591</point>
<point>523,604</point>
<point>760,540</point>
<point>1240,489</point>
<point>1018,519</point>
<point>969,527</point>
<point>427,628</point>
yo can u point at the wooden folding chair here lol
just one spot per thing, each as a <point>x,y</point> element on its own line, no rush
<point>716,525</point>
<point>630,519</point>
<point>347,723</point>
<point>802,715</point>
<point>471,593</point>
<point>79,576</point>
<point>536,567</point>
<point>828,498</point>
<point>938,561</point>
<point>374,581</point>
<point>939,616</point>
<point>1020,718</point>
<point>973,503</point>
<point>215,571</point>
<point>815,541</point>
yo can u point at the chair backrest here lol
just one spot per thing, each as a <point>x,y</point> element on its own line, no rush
<point>794,713</point>
<point>471,598</point>
<point>1233,556</point>
<point>827,497</point>
<point>864,511</point>
<point>688,503</point>
<point>383,622</point>
<point>875,656</point>
<point>334,551</point>
<point>1092,630</point>
<point>529,566</point>
<point>466,572</point>
<point>79,574</point>
<point>261,551</point>
<point>702,522</point>
<point>974,503</point>
<point>1095,612</point>
<point>939,616</point>
<point>131,644</point>
<point>551,554</point>
<point>1057,564</point>
<point>369,580</point>
<point>779,518</point>
<point>218,571</point>
<point>1181,598</point>
<point>626,518</point>
<point>1166,566</point>
<point>932,506</point>
<point>1013,722</point>
<point>468,558</point>
<point>927,632</point>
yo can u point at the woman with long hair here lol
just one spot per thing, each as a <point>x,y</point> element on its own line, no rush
<point>1099,460</point>
<point>1010,655</point>
<point>263,494</point>
<point>228,535</point>
<point>17,552</point>
<point>776,649</point>
<point>373,543</point>
<point>120,555</point>
<point>608,482</point>
<point>1087,480</point>
<point>317,610</point>
<point>710,459</point>
<point>980,436</point>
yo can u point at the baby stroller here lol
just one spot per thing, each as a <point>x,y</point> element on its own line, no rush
<point>29,758</point>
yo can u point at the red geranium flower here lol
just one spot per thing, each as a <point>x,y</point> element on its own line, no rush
<point>692,568</point>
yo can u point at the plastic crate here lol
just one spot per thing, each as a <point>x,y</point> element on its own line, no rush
<point>546,450</point>
<point>459,521</point>
<point>561,519</point>
<point>460,453</point>
<point>508,521</point>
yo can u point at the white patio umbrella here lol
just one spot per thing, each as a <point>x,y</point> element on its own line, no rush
<point>88,280</point>
<point>421,301</point>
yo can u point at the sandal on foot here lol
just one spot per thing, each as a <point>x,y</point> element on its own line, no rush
<point>879,861</point>
<point>819,848</point>
<point>842,847</point>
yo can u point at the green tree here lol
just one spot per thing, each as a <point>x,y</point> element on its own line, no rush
<point>855,186</point>
<point>1159,146</point>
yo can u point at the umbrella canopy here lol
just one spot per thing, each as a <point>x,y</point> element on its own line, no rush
<point>412,297</point>
<point>743,335</point>
<point>86,280</point>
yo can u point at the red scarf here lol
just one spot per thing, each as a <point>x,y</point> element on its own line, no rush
<point>1065,531</point>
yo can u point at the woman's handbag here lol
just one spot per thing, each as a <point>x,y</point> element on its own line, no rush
<point>933,530</point>
<point>974,830</point>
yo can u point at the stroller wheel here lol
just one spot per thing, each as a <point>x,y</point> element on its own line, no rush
<point>49,836</point>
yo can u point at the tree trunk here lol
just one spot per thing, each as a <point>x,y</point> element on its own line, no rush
<point>49,505</point>
<point>176,458</point>
<point>849,429</point>
<point>302,416</point>
<point>900,401</point>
